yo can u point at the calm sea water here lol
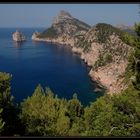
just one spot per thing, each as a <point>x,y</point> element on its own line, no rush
<point>32,63</point>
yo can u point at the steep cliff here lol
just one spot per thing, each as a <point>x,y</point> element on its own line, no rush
<point>102,47</point>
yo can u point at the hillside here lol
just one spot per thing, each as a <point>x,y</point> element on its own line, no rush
<point>102,47</point>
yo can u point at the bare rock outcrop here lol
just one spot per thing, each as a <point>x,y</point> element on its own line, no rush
<point>18,36</point>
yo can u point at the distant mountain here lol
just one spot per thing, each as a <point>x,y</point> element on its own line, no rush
<point>129,29</point>
<point>122,26</point>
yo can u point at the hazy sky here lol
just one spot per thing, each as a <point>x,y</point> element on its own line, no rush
<point>41,15</point>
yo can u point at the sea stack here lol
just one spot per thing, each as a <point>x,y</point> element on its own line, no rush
<point>18,36</point>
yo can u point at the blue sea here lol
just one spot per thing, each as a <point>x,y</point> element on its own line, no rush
<point>32,63</point>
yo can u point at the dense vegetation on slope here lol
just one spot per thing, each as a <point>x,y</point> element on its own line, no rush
<point>49,33</point>
<point>1,122</point>
<point>47,115</point>
<point>9,120</point>
<point>102,35</point>
<point>80,25</point>
<point>104,31</point>
<point>137,28</point>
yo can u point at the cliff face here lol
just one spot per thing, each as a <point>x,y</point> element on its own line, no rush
<point>104,50</point>
<point>100,46</point>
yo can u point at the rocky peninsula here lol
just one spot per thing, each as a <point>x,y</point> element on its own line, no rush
<point>100,46</point>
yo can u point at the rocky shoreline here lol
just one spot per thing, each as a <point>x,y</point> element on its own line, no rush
<point>100,86</point>
<point>100,47</point>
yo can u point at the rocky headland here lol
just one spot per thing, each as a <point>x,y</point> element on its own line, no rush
<point>101,47</point>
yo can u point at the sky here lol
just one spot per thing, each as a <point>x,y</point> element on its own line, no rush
<point>41,15</point>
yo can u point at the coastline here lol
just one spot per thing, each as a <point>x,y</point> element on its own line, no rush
<point>99,86</point>
<point>106,76</point>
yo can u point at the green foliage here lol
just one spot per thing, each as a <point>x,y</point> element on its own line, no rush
<point>108,58</point>
<point>104,31</point>
<point>128,39</point>
<point>87,46</point>
<point>37,112</point>
<point>80,25</point>
<point>78,127</point>
<point>137,28</point>
<point>116,115</point>
<point>83,43</point>
<point>5,96</point>
<point>48,33</point>
<point>75,108</point>
<point>104,58</point>
<point>1,123</point>
<point>10,111</point>
<point>93,115</point>
<point>75,112</point>
<point>46,114</point>
<point>63,122</point>
<point>130,70</point>
<point>133,68</point>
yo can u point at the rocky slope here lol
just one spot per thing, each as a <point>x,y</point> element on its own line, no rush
<point>64,28</point>
<point>101,47</point>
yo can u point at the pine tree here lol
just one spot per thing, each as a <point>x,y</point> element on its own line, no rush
<point>1,123</point>
<point>5,95</point>
<point>9,113</point>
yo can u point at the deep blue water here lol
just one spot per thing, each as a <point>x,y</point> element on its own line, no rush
<point>32,63</point>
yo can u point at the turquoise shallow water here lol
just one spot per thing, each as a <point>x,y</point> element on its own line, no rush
<point>32,63</point>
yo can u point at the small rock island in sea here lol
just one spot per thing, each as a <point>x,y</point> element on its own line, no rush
<point>35,34</point>
<point>18,36</point>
